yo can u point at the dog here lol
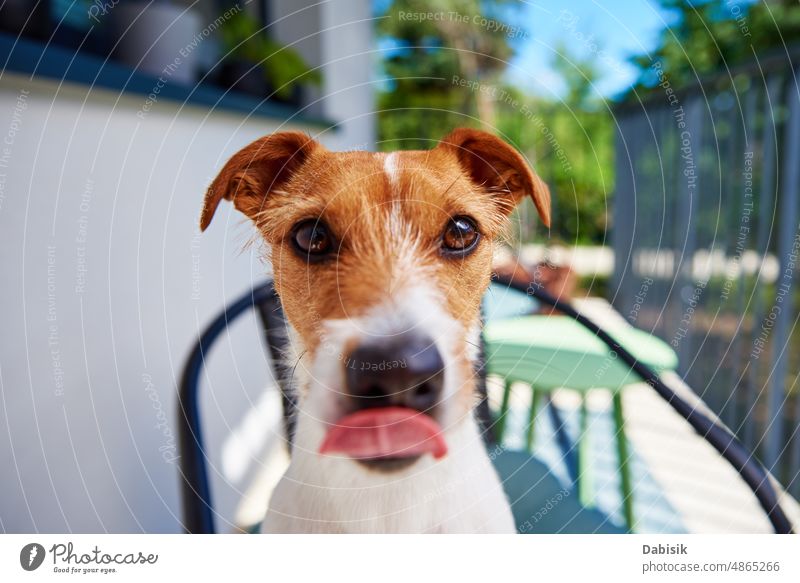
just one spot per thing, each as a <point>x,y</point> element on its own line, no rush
<point>380,261</point>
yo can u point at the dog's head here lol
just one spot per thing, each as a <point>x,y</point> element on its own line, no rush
<point>380,260</point>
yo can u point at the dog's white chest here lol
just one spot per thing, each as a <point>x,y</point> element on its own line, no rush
<point>459,494</point>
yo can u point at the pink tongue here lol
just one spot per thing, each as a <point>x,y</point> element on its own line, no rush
<point>385,432</point>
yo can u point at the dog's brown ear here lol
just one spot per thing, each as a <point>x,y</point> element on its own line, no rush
<point>495,165</point>
<point>255,171</point>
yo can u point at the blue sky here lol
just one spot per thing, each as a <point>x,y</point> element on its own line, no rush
<point>613,30</point>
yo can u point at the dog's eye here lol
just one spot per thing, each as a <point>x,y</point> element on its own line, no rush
<point>312,238</point>
<point>460,235</point>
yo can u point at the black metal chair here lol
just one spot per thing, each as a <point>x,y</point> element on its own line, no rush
<point>516,469</point>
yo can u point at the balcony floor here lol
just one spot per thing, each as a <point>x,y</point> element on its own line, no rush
<point>681,483</point>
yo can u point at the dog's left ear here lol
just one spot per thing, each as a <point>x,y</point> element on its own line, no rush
<point>493,164</point>
<point>255,171</point>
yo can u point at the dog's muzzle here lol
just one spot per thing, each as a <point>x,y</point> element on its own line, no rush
<point>392,389</point>
<point>400,371</point>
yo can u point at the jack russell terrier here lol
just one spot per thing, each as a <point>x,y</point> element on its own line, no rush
<point>380,261</point>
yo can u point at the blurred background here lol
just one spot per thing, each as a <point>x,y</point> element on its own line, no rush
<point>667,130</point>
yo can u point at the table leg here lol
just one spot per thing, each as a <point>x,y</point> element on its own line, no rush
<point>585,487</point>
<point>532,418</point>
<point>626,489</point>
<point>500,426</point>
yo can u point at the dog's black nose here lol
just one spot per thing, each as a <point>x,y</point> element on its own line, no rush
<point>403,371</point>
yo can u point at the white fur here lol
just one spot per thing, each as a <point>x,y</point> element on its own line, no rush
<point>390,167</point>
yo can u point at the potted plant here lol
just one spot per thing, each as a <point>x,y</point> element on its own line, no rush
<point>255,64</point>
<point>153,36</point>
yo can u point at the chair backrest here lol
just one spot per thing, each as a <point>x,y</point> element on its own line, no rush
<point>198,512</point>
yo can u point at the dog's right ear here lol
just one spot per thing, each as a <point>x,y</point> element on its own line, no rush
<point>496,166</point>
<point>255,171</point>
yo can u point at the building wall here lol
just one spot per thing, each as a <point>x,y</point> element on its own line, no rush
<point>331,35</point>
<point>106,281</point>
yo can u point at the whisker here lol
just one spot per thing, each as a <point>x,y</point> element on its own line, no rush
<point>446,190</point>
<point>296,364</point>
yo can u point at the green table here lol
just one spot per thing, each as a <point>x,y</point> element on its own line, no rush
<point>552,352</point>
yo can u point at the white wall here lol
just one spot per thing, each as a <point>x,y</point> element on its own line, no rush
<point>100,299</point>
<point>348,81</point>
<point>335,36</point>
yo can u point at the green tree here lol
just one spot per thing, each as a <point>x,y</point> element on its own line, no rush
<point>570,144</point>
<point>433,43</point>
<point>705,36</point>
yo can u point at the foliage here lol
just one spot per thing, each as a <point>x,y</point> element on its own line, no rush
<point>422,105</point>
<point>435,43</point>
<point>704,37</point>
<point>569,142</point>
<point>244,38</point>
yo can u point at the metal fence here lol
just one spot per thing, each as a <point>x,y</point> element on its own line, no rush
<point>706,230</point>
